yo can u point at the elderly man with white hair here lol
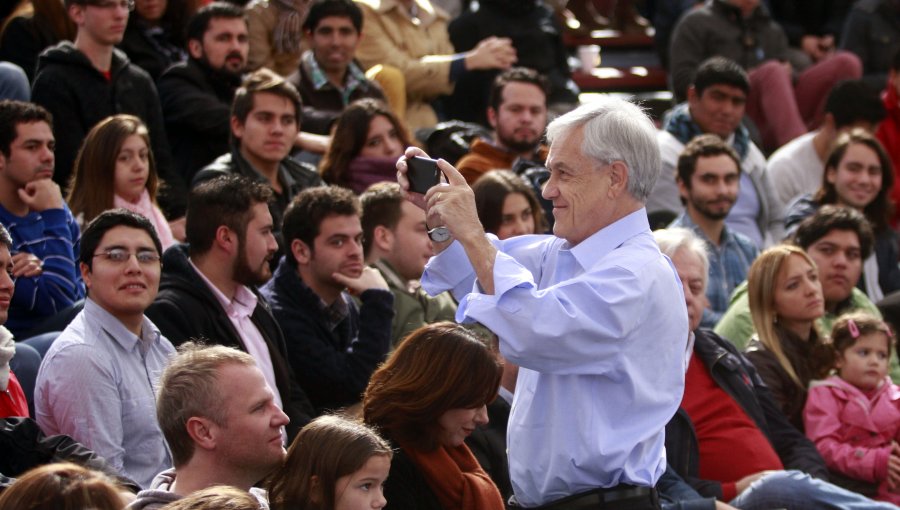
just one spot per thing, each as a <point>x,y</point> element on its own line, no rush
<point>594,314</point>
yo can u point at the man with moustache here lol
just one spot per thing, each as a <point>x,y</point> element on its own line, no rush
<point>333,344</point>
<point>98,380</point>
<point>196,94</point>
<point>518,114</point>
<point>328,77</point>
<point>209,287</point>
<point>708,174</point>
<point>44,232</point>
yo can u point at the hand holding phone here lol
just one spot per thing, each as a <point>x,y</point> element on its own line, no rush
<point>423,174</point>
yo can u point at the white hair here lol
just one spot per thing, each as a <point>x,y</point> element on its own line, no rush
<point>672,240</point>
<point>615,130</point>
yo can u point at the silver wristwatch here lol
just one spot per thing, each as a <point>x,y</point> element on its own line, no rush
<point>439,234</point>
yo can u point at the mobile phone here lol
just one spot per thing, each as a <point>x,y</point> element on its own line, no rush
<point>423,173</point>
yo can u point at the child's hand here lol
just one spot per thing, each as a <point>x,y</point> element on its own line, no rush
<point>893,479</point>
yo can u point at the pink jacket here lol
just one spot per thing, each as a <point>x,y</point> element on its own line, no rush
<point>852,432</point>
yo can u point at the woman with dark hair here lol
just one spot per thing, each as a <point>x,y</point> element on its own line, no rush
<point>786,299</point>
<point>155,35</point>
<point>34,26</point>
<point>426,399</point>
<point>367,140</point>
<point>115,168</point>
<point>507,206</point>
<point>858,174</point>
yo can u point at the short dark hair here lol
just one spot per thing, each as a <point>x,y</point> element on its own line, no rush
<point>5,238</point>
<point>381,204</point>
<point>520,75</point>
<point>835,217</point>
<point>852,101</point>
<point>880,209</point>
<point>720,71</point>
<point>322,9</point>
<point>263,81</point>
<point>106,221</point>
<point>227,200</point>
<point>199,22</point>
<point>13,113</point>
<point>702,146</point>
<point>306,211</point>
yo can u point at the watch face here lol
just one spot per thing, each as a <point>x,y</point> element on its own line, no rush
<point>439,234</point>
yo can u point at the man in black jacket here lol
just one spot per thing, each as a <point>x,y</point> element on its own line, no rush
<point>265,120</point>
<point>729,440</point>
<point>196,95</point>
<point>333,344</point>
<point>208,288</point>
<point>82,83</point>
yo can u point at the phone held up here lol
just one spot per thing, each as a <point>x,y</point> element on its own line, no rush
<point>423,174</point>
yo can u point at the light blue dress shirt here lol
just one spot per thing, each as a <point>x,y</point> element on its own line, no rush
<point>98,383</point>
<point>600,331</point>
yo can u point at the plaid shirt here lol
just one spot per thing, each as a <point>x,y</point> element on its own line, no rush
<point>354,78</point>
<point>729,263</point>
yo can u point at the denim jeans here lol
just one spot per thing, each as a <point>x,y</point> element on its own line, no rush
<point>798,491</point>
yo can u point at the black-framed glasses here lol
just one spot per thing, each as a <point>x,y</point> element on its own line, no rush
<point>121,255</point>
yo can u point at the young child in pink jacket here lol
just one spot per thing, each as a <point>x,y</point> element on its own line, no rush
<point>854,417</point>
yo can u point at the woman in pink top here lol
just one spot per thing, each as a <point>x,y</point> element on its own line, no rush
<point>115,168</point>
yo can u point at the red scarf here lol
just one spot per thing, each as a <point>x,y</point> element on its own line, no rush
<point>456,478</point>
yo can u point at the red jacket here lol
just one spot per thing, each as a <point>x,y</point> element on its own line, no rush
<point>12,401</point>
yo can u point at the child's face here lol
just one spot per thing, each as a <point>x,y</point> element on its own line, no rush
<point>132,168</point>
<point>364,489</point>
<point>865,363</point>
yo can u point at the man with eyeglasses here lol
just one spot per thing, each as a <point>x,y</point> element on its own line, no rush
<point>85,81</point>
<point>99,379</point>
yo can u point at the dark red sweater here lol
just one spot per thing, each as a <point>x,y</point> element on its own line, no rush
<point>731,445</point>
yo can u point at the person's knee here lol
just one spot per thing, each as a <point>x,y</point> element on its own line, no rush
<point>847,64</point>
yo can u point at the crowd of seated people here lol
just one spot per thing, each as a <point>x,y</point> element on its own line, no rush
<point>217,286</point>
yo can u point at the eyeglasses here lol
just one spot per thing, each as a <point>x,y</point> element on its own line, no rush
<point>112,4</point>
<point>121,255</point>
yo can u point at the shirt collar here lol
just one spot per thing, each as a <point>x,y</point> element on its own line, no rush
<point>117,331</point>
<point>243,303</point>
<point>608,238</point>
<point>686,221</point>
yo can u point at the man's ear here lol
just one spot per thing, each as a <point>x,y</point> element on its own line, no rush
<point>85,274</point>
<point>383,238</point>
<point>202,432</point>
<point>227,239</point>
<point>195,48</point>
<point>237,128</point>
<point>692,94</point>
<point>76,13</point>
<point>682,188</point>
<point>301,252</point>
<point>618,178</point>
<point>492,117</point>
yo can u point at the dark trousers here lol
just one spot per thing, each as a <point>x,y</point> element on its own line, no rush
<point>620,497</point>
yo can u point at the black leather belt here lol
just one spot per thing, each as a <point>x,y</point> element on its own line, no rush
<point>602,498</point>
